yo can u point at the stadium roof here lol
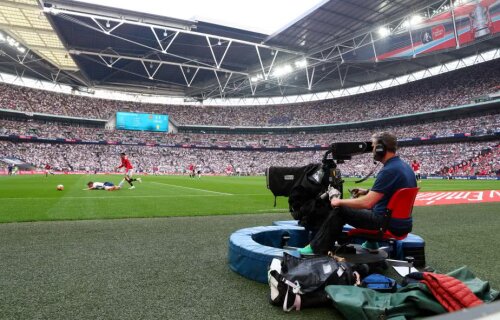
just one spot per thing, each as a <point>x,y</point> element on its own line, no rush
<point>261,16</point>
<point>131,51</point>
<point>24,21</point>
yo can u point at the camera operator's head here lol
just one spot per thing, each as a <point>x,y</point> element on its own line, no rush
<point>384,146</point>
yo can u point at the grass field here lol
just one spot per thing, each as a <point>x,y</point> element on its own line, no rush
<point>176,267</point>
<point>35,198</point>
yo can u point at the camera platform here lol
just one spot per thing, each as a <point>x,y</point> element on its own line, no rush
<point>355,253</point>
<point>251,250</point>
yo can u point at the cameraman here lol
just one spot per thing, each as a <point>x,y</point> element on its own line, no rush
<point>366,210</point>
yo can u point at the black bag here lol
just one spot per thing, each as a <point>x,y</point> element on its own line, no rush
<point>316,272</point>
<point>297,283</point>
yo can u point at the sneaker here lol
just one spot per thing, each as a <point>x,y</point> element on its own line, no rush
<point>306,250</point>
<point>370,245</point>
<point>132,187</point>
<point>139,179</point>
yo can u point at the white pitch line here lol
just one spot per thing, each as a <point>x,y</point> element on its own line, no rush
<point>203,190</point>
<point>165,196</point>
<point>274,210</point>
<point>123,197</point>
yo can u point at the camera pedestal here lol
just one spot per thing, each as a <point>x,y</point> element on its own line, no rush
<point>356,254</point>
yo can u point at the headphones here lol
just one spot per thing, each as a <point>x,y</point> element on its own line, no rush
<point>380,150</point>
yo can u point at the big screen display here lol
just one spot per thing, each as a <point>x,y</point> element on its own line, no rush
<point>141,121</point>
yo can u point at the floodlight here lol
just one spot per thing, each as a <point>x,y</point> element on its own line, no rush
<point>416,19</point>
<point>301,63</point>
<point>282,70</point>
<point>107,24</point>
<point>383,32</point>
<point>256,78</point>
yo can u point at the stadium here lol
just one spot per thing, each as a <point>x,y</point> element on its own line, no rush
<point>201,109</point>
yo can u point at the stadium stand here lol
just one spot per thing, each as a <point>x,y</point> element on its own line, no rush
<point>474,125</point>
<point>453,88</point>
<point>483,157</point>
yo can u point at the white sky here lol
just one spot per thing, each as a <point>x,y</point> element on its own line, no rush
<point>264,16</point>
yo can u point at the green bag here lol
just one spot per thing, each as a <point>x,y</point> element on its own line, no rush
<point>414,300</point>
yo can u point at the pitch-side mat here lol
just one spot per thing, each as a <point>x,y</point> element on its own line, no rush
<point>456,197</point>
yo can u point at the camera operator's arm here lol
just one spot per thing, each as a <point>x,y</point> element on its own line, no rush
<point>357,192</point>
<point>366,202</point>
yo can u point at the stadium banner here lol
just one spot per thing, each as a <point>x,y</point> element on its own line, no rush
<point>474,21</point>
<point>142,121</point>
<point>456,197</point>
<point>461,177</point>
<point>68,140</point>
<point>58,172</point>
<point>109,142</point>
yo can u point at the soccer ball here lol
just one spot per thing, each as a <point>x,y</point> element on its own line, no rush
<point>60,187</point>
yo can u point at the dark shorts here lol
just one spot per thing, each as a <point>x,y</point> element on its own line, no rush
<point>109,184</point>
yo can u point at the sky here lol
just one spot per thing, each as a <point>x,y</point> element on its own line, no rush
<point>263,16</point>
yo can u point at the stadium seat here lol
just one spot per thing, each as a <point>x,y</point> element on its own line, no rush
<point>400,206</point>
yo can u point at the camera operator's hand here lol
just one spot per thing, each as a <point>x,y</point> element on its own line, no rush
<point>357,192</point>
<point>335,202</point>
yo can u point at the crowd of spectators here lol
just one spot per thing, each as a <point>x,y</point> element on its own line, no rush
<point>475,125</point>
<point>439,158</point>
<point>452,88</point>
<point>484,163</point>
<point>434,159</point>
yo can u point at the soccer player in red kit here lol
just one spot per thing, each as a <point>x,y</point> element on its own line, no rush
<point>48,170</point>
<point>191,170</point>
<point>415,165</point>
<point>129,171</point>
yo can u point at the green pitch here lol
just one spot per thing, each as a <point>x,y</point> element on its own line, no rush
<point>176,268</point>
<point>35,198</point>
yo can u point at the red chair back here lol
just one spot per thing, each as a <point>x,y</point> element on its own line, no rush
<point>400,206</point>
<point>401,203</point>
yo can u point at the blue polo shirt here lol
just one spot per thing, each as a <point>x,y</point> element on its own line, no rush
<point>395,174</point>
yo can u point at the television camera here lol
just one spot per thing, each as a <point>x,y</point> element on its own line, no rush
<point>310,187</point>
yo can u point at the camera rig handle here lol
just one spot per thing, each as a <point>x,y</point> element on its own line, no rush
<point>345,150</point>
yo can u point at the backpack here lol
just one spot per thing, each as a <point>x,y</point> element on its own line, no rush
<point>297,283</point>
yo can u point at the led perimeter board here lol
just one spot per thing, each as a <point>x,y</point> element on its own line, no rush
<point>141,121</point>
